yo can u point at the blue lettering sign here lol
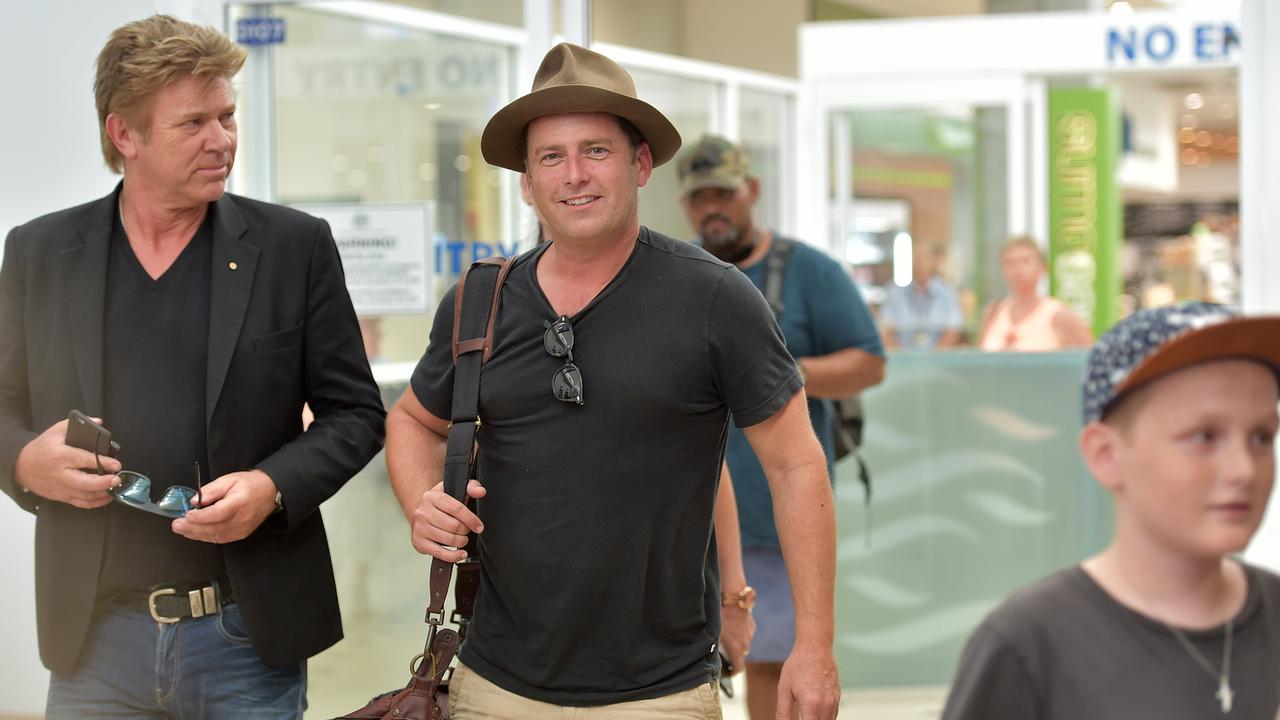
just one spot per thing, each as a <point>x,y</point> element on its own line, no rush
<point>479,251</point>
<point>1205,35</point>
<point>1127,44</point>
<point>260,31</point>
<point>1153,43</point>
<point>1209,41</point>
<point>1230,39</point>
<point>455,257</point>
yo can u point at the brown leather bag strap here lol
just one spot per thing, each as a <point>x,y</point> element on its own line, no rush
<point>460,345</point>
<point>464,593</point>
<point>441,574</point>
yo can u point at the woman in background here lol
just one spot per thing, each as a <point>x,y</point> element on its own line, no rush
<point>1024,321</point>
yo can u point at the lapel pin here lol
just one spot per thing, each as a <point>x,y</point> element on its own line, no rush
<point>232,265</point>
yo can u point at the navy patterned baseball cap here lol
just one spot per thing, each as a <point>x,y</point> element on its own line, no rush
<point>1150,344</point>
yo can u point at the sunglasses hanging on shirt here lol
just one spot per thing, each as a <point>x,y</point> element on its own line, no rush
<point>566,384</point>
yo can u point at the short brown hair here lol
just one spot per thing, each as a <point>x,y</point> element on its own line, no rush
<point>146,55</point>
<point>1025,241</point>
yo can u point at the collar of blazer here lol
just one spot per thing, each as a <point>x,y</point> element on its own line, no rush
<point>84,265</point>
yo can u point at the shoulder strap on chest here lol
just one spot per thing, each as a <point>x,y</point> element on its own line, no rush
<point>475,311</point>
<point>775,269</point>
<point>483,280</point>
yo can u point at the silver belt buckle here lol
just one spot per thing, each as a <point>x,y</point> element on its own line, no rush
<point>203,602</point>
<point>151,605</point>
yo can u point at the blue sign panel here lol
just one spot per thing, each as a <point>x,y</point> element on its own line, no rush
<point>260,31</point>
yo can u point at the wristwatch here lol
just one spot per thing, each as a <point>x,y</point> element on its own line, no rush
<point>744,598</point>
<point>279,503</point>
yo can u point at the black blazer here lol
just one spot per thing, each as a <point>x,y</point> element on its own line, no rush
<point>282,332</point>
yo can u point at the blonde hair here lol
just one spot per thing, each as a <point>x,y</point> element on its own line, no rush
<point>143,57</point>
<point>1025,241</point>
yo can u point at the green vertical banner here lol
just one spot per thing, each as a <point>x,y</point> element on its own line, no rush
<point>1084,203</point>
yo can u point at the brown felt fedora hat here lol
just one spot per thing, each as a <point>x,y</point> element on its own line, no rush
<point>574,79</point>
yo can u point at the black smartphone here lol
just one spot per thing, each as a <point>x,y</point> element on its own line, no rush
<point>84,433</point>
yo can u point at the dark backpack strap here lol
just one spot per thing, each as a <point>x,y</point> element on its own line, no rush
<point>474,315</point>
<point>775,269</point>
<point>847,411</point>
<point>474,312</point>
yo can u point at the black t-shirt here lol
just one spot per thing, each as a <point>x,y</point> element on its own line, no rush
<point>599,580</point>
<point>1065,650</point>
<point>154,370</point>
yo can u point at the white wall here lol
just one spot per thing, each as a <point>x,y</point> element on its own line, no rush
<point>52,160</point>
<point>1259,185</point>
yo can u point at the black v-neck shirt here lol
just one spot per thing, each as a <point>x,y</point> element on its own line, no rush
<point>599,580</point>
<point>155,356</point>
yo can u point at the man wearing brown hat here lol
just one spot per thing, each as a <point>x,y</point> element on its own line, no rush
<point>620,356</point>
<point>837,348</point>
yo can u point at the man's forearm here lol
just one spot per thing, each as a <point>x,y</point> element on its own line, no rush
<point>415,458</point>
<point>804,512</point>
<point>841,373</point>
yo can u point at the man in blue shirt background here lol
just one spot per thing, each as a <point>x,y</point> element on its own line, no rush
<point>830,333</point>
<point>925,314</point>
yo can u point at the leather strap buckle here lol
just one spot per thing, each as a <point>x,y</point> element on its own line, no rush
<point>151,605</point>
<point>203,601</point>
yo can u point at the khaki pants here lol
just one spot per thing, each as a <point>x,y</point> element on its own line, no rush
<point>471,697</point>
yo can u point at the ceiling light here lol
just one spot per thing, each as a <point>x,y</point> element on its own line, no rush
<point>1193,101</point>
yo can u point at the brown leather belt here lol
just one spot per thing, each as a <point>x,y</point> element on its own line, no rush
<point>171,603</point>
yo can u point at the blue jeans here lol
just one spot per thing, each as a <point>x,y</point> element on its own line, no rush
<point>204,669</point>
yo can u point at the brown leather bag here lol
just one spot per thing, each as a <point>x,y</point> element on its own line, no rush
<point>426,697</point>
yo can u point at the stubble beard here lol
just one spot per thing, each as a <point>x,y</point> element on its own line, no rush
<point>729,246</point>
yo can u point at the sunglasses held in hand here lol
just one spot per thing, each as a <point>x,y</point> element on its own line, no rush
<point>134,491</point>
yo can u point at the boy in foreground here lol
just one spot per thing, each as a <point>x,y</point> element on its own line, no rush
<point>1180,424</point>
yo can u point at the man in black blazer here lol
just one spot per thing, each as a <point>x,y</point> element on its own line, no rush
<point>196,324</point>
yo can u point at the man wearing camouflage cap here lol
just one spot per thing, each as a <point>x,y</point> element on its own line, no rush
<point>619,357</point>
<point>830,333</point>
